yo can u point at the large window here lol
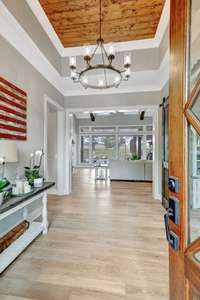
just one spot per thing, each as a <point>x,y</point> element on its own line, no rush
<point>103,147</point>
<point>115,142</point>
<point>84,147</point>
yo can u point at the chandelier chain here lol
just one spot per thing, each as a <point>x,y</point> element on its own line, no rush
<point>112,76</point>
<point>100,20</point>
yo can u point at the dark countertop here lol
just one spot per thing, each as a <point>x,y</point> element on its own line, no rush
<point>14,201</point>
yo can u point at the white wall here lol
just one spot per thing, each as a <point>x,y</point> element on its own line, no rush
<point>116,119</point>
<point>111,100</point>
<point>52,146</point>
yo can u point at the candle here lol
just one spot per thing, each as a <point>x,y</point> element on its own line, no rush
<point>111,51</point>
<point>128,73</point>
<point>100,83</point>
<point>87,51</point>
<point>73,75</point>
<point>85,80</point>
<point>127,60</point>
<point>117,81</point>
<point>72,61</point>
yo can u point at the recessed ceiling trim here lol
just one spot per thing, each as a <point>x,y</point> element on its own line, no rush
<point>121,46</point>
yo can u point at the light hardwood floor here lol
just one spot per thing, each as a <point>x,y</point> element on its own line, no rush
<point>105,242</point>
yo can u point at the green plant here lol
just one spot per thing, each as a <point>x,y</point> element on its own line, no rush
<point>134,156</point>
<point>32,174</point>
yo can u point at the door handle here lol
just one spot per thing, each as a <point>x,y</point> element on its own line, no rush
<point>167,216</point>
<point>172,238</point>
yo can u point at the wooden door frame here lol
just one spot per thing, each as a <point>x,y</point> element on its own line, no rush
<point>178,139</point>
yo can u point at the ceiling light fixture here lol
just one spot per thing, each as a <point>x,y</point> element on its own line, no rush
<point>103,74</point>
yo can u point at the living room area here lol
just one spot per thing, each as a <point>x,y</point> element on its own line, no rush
<point>117,145</point>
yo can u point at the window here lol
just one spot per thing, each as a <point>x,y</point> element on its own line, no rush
<point>130,147</point>
<point>84,148</point>
<point>115,142</point>
<point>103,147</point>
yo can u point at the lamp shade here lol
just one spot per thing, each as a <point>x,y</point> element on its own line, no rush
<point>8,150</point>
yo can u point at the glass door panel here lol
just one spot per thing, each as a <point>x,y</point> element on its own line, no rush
<point>195,107</point>
<point>194,184</point>
<point>165,170</point>
<point>85,149</point>
<point>149,148</point>
<point>195,296</point>
<point>194,43</point>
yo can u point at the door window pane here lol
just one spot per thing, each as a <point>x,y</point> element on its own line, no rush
<point>130,147</point>
<point>195,43</point>
<point>103,147</point>
<point>196,297</point>
<point>194,184</point>
<point>196,107</point>
<point>84,148</point>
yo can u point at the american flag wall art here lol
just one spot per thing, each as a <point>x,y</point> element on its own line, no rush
<point>13,111</point>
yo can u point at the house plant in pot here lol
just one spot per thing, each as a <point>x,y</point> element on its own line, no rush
<point>33,171</point>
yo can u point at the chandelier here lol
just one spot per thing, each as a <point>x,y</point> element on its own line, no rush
<point>99,71</point>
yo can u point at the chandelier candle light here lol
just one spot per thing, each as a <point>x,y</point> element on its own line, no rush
<point>101,74</point>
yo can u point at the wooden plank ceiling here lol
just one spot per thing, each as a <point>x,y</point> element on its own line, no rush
<point>76,22</point>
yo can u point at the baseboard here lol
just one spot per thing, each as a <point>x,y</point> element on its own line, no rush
<point>158,197</point>
<point>52,191</point>
<point>128,180</point>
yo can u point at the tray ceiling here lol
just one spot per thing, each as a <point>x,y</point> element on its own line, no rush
<point>76,22</point>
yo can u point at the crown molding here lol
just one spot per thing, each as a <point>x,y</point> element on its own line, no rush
<point>120,47</point>
<point>11,30</point>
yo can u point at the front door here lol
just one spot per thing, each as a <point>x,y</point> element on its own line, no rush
<point>183,216</point>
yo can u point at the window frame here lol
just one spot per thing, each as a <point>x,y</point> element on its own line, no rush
<point>90,133</point>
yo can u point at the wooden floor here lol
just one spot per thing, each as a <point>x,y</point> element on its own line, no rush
<point>106,242</point>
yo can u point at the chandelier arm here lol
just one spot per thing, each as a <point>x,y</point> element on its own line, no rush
<point>95,50</point>
<point>104,64</point>
<point>108,58</point>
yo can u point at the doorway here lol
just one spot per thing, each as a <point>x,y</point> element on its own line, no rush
<point>54,145</point>
<point>115,140</point>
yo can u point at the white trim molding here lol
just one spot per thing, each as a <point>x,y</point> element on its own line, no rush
<point>61,171</point>
<point>11,30</point>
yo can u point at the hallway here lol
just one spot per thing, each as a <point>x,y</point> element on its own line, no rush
<point>105,242</point>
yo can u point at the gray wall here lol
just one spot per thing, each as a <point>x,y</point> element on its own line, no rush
<point>25,17</point>
<point>111,100</point>
<point>115,120</point>
<point>17,70</point>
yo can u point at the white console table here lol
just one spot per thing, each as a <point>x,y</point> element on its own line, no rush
<point>29,207</point>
